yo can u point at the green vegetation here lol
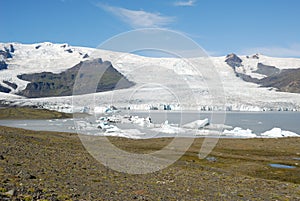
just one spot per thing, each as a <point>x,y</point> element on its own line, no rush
<point>31,113</point>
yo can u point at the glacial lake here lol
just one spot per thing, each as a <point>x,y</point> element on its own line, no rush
<point>258,122</point>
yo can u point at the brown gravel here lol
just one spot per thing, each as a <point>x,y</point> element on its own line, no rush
<point>55,166</point>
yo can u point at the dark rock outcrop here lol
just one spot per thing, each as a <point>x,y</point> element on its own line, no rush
<point>233,60</point>
<point>12,85</point>
<point>3,65</point>
<point>266,70</point>
<point>4,89</point>
<point>48,84</point>
<point>11,48</point>
<point>246,78</point>
<point>256,56</point>
<point>287,80</point>
<point>69,51</point>
<point>5,54</point>
<point>85,56</point>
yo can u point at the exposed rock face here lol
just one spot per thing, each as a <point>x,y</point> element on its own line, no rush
<point>48,84</point>
<point>69,51</point>
<point>12,85</point>
<point>5,54</point>
<point>266,70</point>
<point>85,56</point>
<point>11,48</point>
<point>287,80</point>
<point>246,78</point>
<point>233,60</point>
<point>256,56</point>
<point>4,89</point>
<point>3,65</point>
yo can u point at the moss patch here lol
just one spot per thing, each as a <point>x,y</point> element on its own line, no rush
<point>31,113</point>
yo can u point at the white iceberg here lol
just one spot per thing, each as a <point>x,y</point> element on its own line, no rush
<point>114,119</point>
<point>127,133</point>
<point>105,110</point>
<point>99,110</point>
<point>142,122</point>
<point>278,132</point>
<point>197,124</point>
<point>239,132</point>
<point>169,129</point>
<point>112,129</point>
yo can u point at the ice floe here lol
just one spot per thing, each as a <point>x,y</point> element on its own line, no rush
<point>169,128</point>
<point>273,133</point>
<point>197,124</point>
<point>239,132</point>
<point>278,132</point>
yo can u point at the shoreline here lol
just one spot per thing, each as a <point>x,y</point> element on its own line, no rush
<point>159,137</point>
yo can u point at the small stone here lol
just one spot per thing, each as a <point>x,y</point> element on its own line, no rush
<point>32,177</point>
<point>211,159</point>
<point>10,193</point>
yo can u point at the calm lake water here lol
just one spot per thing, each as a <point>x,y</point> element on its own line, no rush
<point>258,122</point>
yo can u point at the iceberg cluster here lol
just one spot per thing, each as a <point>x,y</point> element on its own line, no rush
<point>197,124</point>
<point>109,126</point>
<point>273,133</point>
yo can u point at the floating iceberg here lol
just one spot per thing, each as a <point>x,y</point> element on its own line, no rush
<point>99,109</point>
<point>239,132</point>
<point>277,132</point>
<point>105,110</point>
<point>169,129</point>
<point>114,119</point>
<point>197,124</point>
<point>143,122</point>
<point>112,129</point>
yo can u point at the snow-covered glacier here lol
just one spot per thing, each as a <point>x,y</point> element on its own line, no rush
<point>159,81</point>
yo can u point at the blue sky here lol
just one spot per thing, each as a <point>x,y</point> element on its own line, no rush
<point>270,27</point>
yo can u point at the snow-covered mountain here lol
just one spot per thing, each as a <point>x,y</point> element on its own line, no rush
<point>158,80</point>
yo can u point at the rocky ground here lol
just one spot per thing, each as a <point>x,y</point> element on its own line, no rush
<point>56,166</point>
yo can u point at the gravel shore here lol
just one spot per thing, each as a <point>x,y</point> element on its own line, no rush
<point>55,166</point>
